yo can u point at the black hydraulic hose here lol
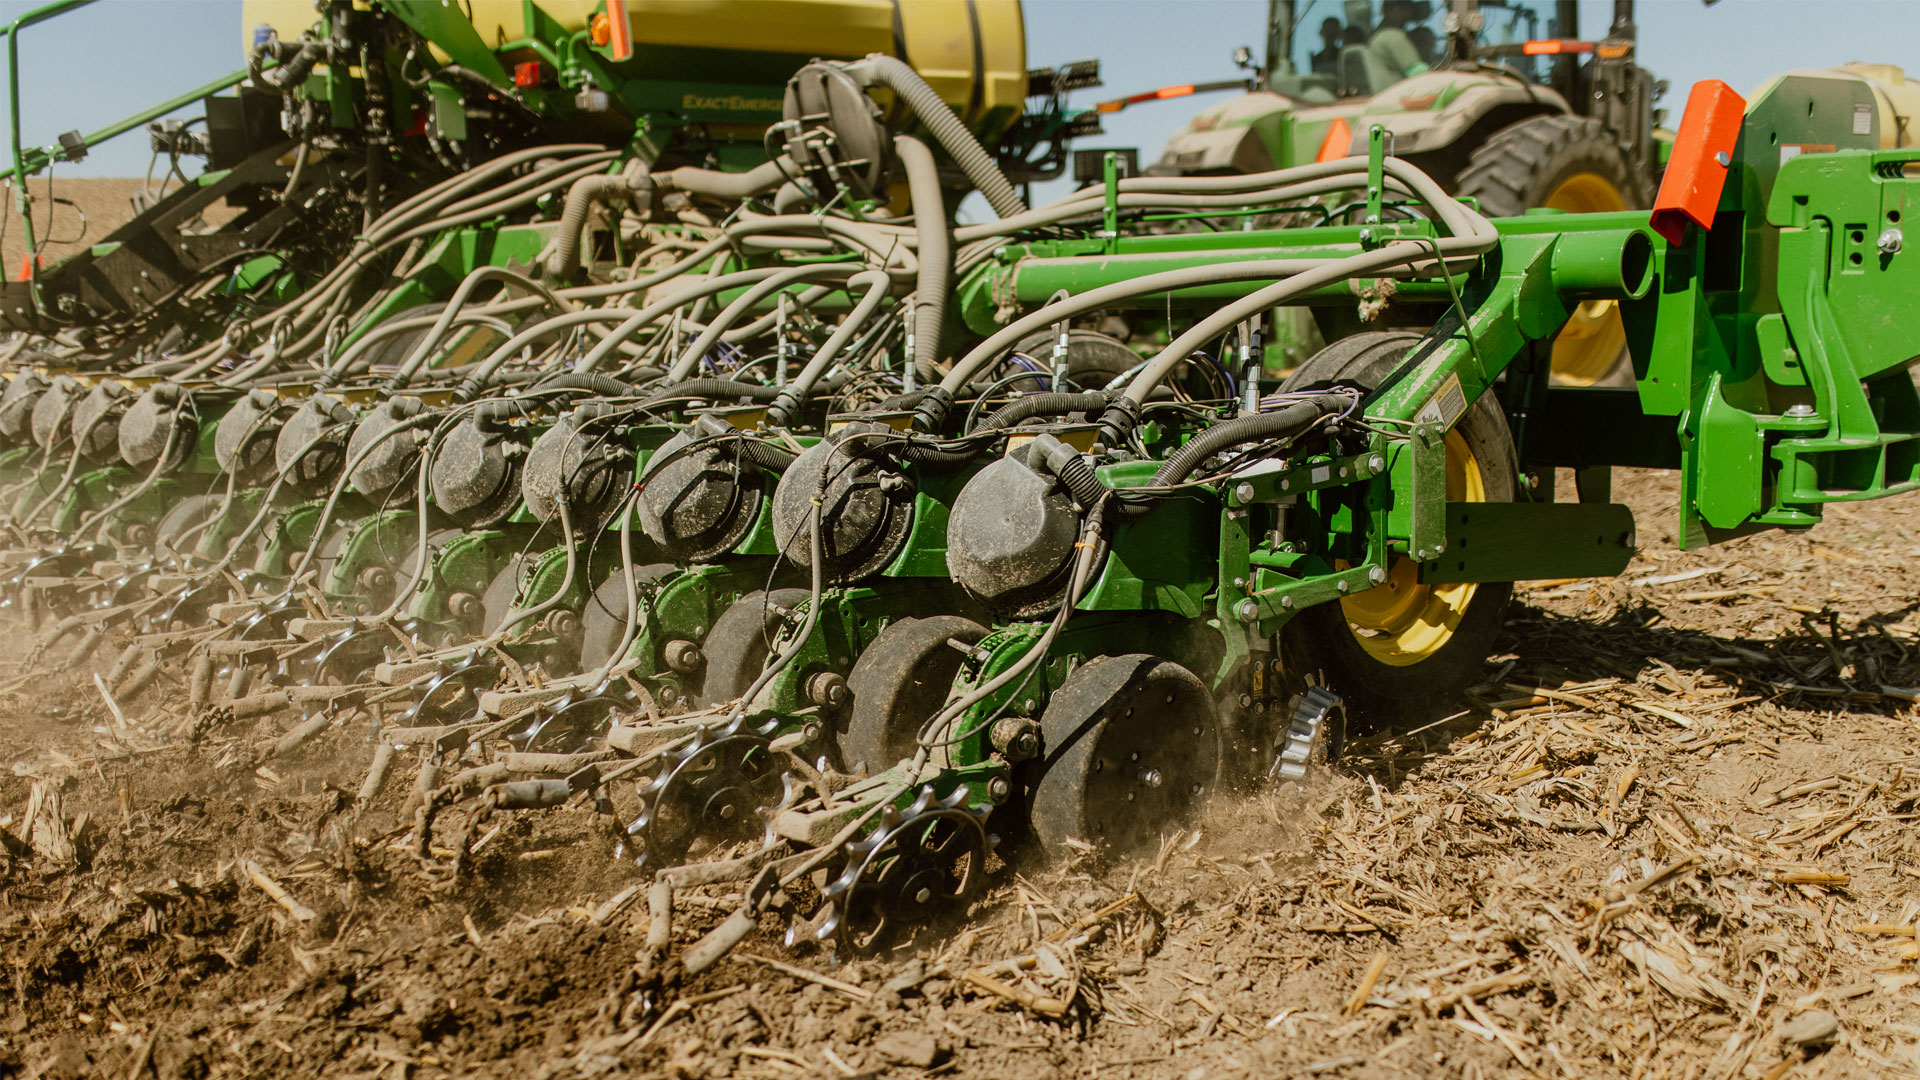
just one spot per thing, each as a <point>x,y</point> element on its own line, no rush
<point>947,127</point>
<point>590,381</point>
<point>1032,405</point>
<point>715,389</point>
<point>291,72</point>
<point>1290,419</point>
<point>1072,470</point>
<point>936,253</point>
<point>765,454</point>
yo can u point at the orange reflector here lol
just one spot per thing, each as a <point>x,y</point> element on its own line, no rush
<point>1173,91</point>
<point>1555,46</point>
<point>526,74</point>
<point>27,263</point>
<point>1613,50</point>
<point>1709,130</point>
<point>1339,139</point>
<point>601,29</point>
<point>620,44</point>
<point>1110,106</point>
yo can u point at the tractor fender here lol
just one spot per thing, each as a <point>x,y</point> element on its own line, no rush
<point>1232,137</point>
<point>1417,127</point>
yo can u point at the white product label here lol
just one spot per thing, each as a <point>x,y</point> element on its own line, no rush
<point>1446,404</point>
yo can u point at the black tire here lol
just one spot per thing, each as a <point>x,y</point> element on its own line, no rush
<point>1569,163</point>
<point>741,640</point>
<point>604,622</point>
<point>1321,639</point>
<point>185,515</point>
<point>1524,163</point>
<point>898,683</point>
<point>497,601</point>
<point>1116,720</point>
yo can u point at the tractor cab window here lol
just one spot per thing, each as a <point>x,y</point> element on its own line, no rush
<point>1357,48</point>
<point>1507,25</point>
<point>1351,48</point>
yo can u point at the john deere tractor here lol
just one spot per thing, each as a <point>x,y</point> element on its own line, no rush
<point>1498,100</point>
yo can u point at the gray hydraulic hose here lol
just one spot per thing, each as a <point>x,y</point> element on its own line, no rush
<point>726,185</point>
<point>933,407</point>
<point>482,372</point>
<point>773,283</point>
<point>418,358</point>
<point>945,126</point>
<point>608,188</point>
<point>350,356</point>
<point>876,282</point>
<point>635,321</point>
<point>1473,235</point>
<point>1068,209</point>
<point>936,252</point>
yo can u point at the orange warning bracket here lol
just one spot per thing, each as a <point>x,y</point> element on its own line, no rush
<point>1338,143</point>
<point>1702,154</point>
<point>620,30</point>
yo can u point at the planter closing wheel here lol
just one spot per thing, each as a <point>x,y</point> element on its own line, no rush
<point>1130,747</point>
<point>899,682</point>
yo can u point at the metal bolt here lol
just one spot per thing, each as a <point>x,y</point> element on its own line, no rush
<point>1440,548</point>
<point>1725,159</point>
<point>1376,463</point>
<point>1150,777</point>
<point>1341,585</point>
<point>1800,409</point>
<point>998,789</point>
<point>1248,610</point>
<point>1890,242</point>
<point>827,688</point>
<point>1246,700</point>
<point>1377,575</point>
<point>1239,583</point>
<point>1286,602</point>
<point>683,656</point>
<point>923,895</point>
<point>1244,491</point>
<point>1343,472</point>
<point>1285,484</point>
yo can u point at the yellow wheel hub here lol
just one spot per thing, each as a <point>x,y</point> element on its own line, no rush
<point>1402,622</point>
<point>1594,339</point>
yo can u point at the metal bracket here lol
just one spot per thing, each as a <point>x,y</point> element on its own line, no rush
<point>1427,531</point>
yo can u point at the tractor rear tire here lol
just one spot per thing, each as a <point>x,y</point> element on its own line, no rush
<point>1382,650</point>
<point>1565,163</point>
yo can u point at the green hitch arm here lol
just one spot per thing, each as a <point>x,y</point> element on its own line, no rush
<point>38,159</point>
<point>12,30</point>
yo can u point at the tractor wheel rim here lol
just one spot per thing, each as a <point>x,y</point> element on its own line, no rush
<point>1402,622</point>
<point>1590,344</point>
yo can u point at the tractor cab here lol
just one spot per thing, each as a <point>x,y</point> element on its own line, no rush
<point>1441,76</point>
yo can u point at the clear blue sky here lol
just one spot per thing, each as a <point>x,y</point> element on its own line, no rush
<point>91,67</point>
